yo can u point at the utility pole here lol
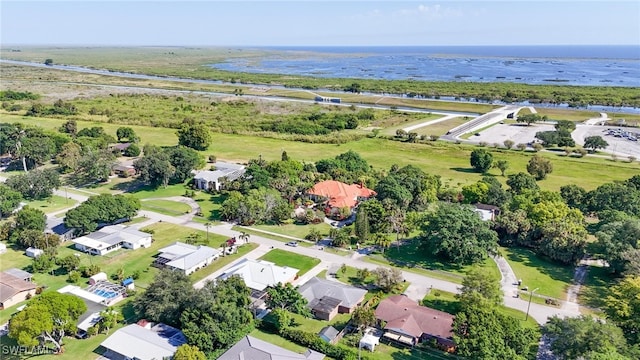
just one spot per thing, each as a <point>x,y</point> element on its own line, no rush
<point>529,306</point>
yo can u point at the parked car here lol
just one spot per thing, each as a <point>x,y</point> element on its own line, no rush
<point>292,243</point>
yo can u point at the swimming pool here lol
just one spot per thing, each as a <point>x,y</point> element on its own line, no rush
<point>105,294</point>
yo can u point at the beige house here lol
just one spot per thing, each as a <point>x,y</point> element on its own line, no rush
<point>15,287</point>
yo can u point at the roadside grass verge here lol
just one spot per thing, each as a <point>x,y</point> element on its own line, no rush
<point>166,207</point>
<point>551,279</point>
<point>450,161</point>
<point>251,231</point>
<point>286,258</point>
<point>223,261</point>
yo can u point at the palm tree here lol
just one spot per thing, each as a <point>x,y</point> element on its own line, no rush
<point>382,240</point>
<point>244,236</point>
<point>208,225</point>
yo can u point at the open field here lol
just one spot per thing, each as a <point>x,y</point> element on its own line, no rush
<point>450,161</point>
<point>292,260</point>
<point>391,130</point>
<point>535,272</point>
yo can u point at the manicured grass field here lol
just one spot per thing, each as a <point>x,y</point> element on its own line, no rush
<point>450,161</point>
<point>52,204</point>
<point>596,287</point>
<point>289,259</point>
<point>295,230</point>
<point>535,272</point>
<point>277,340</point>
<point>167,207</point>
<point>410,257</point>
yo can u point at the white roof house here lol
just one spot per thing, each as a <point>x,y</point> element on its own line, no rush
<point>112,238</point>
<point>210,180</point>
<point>259,274</point>
<point>137,342</point>
<point>186,258</point>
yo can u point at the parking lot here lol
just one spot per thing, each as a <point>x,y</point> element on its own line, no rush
<point>621,146</point>
<point>620,139</point>
<point>518,133</point>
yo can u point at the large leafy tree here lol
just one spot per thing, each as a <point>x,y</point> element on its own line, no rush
<point>69,157</point>
<point>47,319</point>
<point>101,209</point>
<point>286,297</point>
<point>480,285</point>
<point>218,315</point>
<point>94,166</point>
<point>622,307</point>
<point>594,143</point>
<point>481,160</point>
<point>197,137</point>
<point>618,240</point>
<point>166,298</point>
<point>409,187</point>
<point>457,234</point>
<point>189,352</point>
<point>155,168</point>
<point>183,160</point>
<point>539,167</point>
<point>624,197</point>
<point>521,182</point>
<point>9,200</point>
<point>482,333</point>
<point>126,133</point>
<point>37,184</point>
<point>583,337</point>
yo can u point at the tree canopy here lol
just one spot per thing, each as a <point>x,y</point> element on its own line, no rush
<point>46,319</point>
<point>101,209</point>
<point>457,234</point>
<point>9,200</point>
<point>286,297</point>
<point>481,160</point>
<point>196,136</point>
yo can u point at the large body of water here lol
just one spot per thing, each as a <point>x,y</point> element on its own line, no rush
<point>567,65</point>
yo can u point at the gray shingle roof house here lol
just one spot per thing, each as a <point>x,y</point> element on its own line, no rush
<point>211,180</point>
<point>138,342</point>
<point>250,348</point>
<point>327,298</point>
<point>186,258</point>
<point>56,226</point>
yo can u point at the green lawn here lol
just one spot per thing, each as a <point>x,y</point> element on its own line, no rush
<point>289,259</point>
<point>166,207</point>
<point>52,204</point>
<point>410,257</point>
<point>210,205</point>
<point>450,161</point>
<point>596,287</point>
<point>222,262</point>
<point>295,230</point>
<point>410,122</point>
<point>551,279</point>
<point>277,340</point>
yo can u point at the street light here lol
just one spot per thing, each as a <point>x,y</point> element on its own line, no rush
<point>529,306</point>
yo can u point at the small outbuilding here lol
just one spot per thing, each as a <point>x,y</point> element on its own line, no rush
<point>329,334</point>
<point>33,252</point>
<point>3,248</point>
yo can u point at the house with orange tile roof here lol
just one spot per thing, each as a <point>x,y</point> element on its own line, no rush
<point>336,195</point>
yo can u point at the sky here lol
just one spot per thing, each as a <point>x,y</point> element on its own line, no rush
<point>319,23</point>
